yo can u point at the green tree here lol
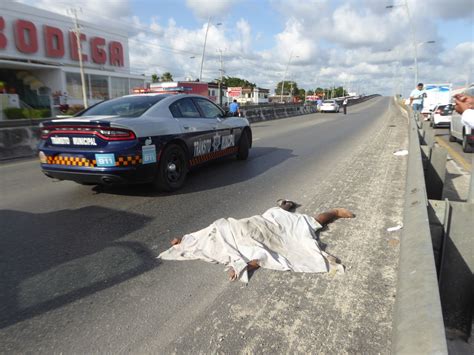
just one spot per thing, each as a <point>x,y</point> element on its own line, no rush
<point>291,88</point>
<point>310,92</point>
<point>301,94</point>
<point>167,76</point>
<point>155,78</point>
<point>237,82</point>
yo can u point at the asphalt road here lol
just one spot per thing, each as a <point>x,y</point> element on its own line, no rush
<point>80,274</point>
<point>455,148</point>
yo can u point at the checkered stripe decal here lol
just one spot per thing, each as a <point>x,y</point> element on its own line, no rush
<point>213,155</point>
<point>131,160</point>
<point>75,161</point>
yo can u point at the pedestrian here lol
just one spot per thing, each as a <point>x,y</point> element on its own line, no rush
<point>416,99</point>
<point>234,108</point>
<point>344,105</point>
<point>278,239</point>
<point>320,102</point>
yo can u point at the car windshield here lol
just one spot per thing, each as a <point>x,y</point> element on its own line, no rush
<point>127,106</point>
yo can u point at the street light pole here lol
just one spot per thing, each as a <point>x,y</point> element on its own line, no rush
<point>77,32</point>
<point>222,77</point>
<point>284,75</point>
<point>204,46</point>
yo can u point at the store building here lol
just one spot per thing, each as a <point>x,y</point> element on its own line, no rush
<point>39,59</point>
<point>248,96</point>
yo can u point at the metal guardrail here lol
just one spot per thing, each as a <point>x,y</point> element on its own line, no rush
<point>435,293</point>
<point>418,326</point>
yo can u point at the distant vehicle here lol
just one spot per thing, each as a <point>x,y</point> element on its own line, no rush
<point>141,138</point>
<point>436,94</point>
<point>462,130</point>
<point>330,106</point>
<point>441,115</point>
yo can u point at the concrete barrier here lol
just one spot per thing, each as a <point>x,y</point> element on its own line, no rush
<point>418,326</point>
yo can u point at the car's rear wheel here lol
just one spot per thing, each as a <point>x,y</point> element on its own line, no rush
<point>172,169</point>
<point>244,146</point>
<point>466,146</point>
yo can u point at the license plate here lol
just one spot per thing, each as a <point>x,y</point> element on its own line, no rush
<point>105,159</point>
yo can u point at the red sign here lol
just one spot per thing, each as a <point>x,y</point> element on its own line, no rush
<point>25,37</point>
<point>234,91</point>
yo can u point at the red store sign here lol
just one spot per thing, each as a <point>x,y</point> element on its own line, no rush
<point>25,37</point>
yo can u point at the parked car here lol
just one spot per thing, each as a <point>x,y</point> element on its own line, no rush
<point>330,106</point>
<point>441,115</point>
<point>463,130</point>
<point>141,138</point>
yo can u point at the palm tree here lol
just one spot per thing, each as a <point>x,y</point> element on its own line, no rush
<point>167,76</point>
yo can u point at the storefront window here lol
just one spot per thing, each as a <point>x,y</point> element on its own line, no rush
<point>99,87</point>
<point>74,86</point>
<point>119,87</point>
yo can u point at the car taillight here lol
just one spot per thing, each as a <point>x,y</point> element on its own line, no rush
<point>45,133</point>
<point>116,134</point>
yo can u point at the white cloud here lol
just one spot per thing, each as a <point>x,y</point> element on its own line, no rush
<point>91,10</point>
<point>355,41</point>
<point>205,8</point>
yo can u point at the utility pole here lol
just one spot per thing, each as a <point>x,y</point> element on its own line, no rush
<point>291,92</point>
<point>77,31</point>
<point>222,76</point>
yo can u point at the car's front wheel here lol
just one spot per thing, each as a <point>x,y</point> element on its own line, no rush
<point>172,169</point>
<point>244,146</point>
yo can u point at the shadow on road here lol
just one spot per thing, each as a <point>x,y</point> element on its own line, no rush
<point>51,259</point>
<point>217,174</point>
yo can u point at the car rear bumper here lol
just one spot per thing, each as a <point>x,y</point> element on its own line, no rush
<point>140,174</point>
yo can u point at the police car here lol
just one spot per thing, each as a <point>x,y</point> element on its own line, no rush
<point>141,138</point>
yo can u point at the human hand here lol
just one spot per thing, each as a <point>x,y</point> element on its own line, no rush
<point>463,103</point>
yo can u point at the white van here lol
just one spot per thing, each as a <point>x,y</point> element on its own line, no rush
<point>462,130</point>
<point>436,94</point>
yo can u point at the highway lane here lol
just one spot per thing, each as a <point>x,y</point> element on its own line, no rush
<point>78,265</point>
<point>455,148</point>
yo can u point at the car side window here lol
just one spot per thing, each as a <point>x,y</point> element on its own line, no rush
<point>184,108</point>
<point>209,109</point>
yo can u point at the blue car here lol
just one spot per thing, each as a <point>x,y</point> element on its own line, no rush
<point>140,139</point>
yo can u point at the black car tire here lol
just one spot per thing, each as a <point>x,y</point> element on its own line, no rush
<point>466,146</point>
<point>244,146</point>
<point>451,137</point>
<point>172,169</point>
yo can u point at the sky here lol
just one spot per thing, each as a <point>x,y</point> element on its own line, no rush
<point>359,44</point>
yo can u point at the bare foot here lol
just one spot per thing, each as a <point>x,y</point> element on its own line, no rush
<point>175,241</point>
<point>343,213</point>
<point>251,265</point>
<point>232,274</point>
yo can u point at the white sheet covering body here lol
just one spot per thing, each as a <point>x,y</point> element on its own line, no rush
<point>278,239</point>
